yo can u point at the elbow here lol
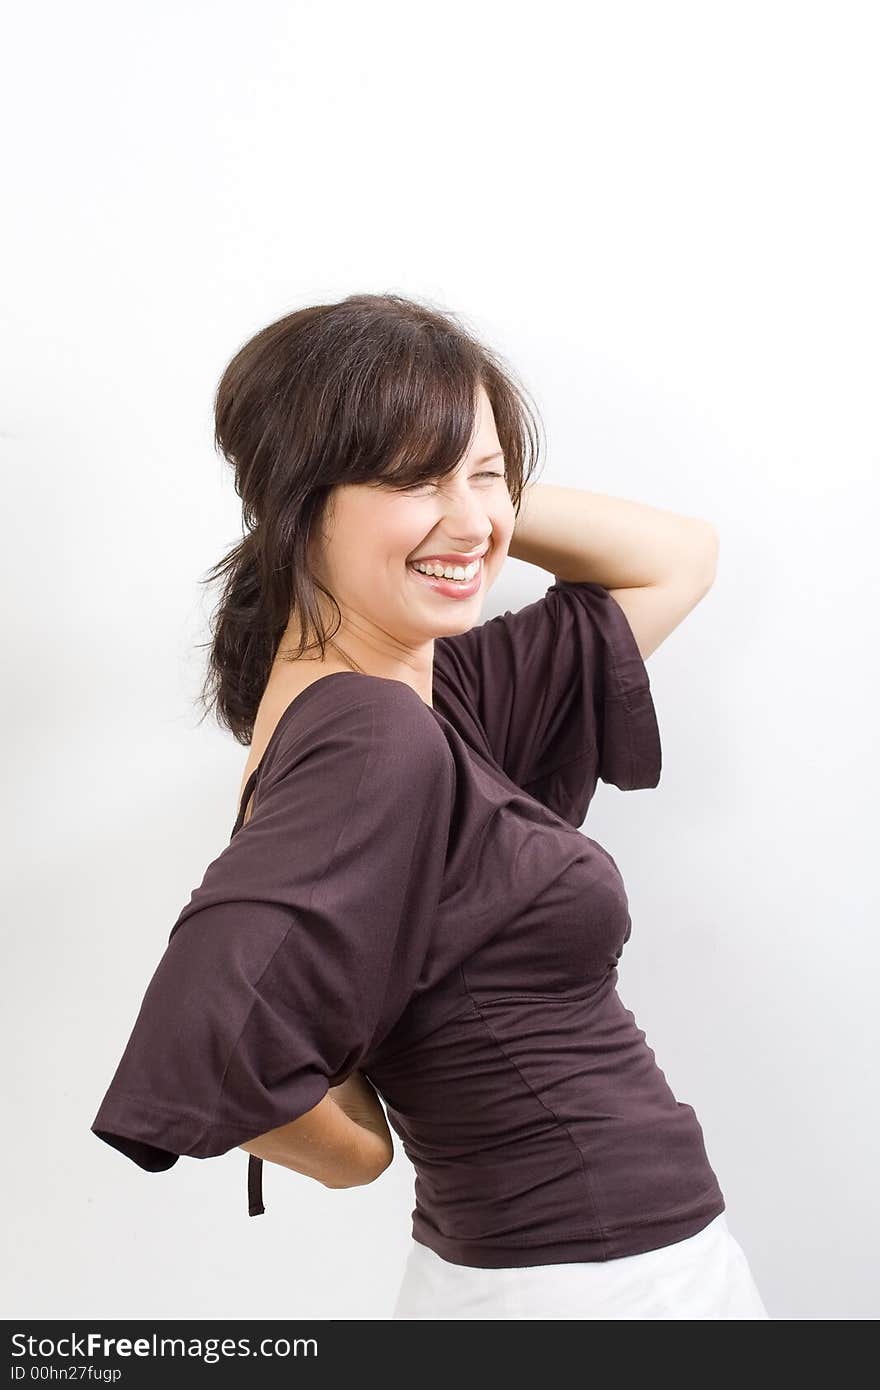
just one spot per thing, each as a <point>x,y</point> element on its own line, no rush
<point>693,558</point>
<point>386,1165</point>
<point>706,554</point>
<point>360,1179</point>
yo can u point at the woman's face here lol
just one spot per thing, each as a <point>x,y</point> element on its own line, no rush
<point>372,535</point>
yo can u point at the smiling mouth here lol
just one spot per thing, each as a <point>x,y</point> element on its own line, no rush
<point>450,586</point>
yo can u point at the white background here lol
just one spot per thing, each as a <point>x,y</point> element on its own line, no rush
<point>665,216</point>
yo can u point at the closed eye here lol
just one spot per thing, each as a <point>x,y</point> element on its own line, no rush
<point>415,487</point>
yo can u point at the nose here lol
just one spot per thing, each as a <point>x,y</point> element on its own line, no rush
<point>467,525</point>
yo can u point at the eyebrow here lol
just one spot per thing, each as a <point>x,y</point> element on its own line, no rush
<point>489,457</point>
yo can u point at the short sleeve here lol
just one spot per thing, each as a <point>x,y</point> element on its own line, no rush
<point>305,939</point>
<point>561,695</point>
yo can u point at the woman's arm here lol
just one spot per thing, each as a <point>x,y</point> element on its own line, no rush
<point>612,541</point>
<point>656,564</point>
<point>343,1141</point>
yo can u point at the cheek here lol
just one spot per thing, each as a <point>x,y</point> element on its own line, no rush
<point>374,545</point>
<point>378,571</point>
<point>503,523</point>
<point>400,529</point>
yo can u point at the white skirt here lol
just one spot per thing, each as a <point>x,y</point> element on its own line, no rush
<point>705,1276</point>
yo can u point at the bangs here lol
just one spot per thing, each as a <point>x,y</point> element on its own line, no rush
<point>414,412</point>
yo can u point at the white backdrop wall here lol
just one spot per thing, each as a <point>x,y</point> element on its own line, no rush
<point>666,218</point>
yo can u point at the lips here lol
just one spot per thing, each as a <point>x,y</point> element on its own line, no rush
<point>451,588</point>
<point>448,559</point>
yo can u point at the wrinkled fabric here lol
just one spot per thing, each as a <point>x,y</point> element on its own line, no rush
<point>413,897</point>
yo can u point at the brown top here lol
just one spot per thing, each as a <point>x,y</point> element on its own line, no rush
<point>413,897</point>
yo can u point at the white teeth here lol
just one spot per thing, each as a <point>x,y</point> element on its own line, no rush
<point>448,571</point>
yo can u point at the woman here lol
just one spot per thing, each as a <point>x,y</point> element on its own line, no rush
<point>406,908</point>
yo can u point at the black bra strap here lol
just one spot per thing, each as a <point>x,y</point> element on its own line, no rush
<point>255,1186</point>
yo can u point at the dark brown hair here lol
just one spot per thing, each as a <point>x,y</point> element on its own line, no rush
<point>374,389</point>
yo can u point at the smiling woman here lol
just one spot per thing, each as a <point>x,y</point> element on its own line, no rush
<point>407,902</point>
<point>360,434</point>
